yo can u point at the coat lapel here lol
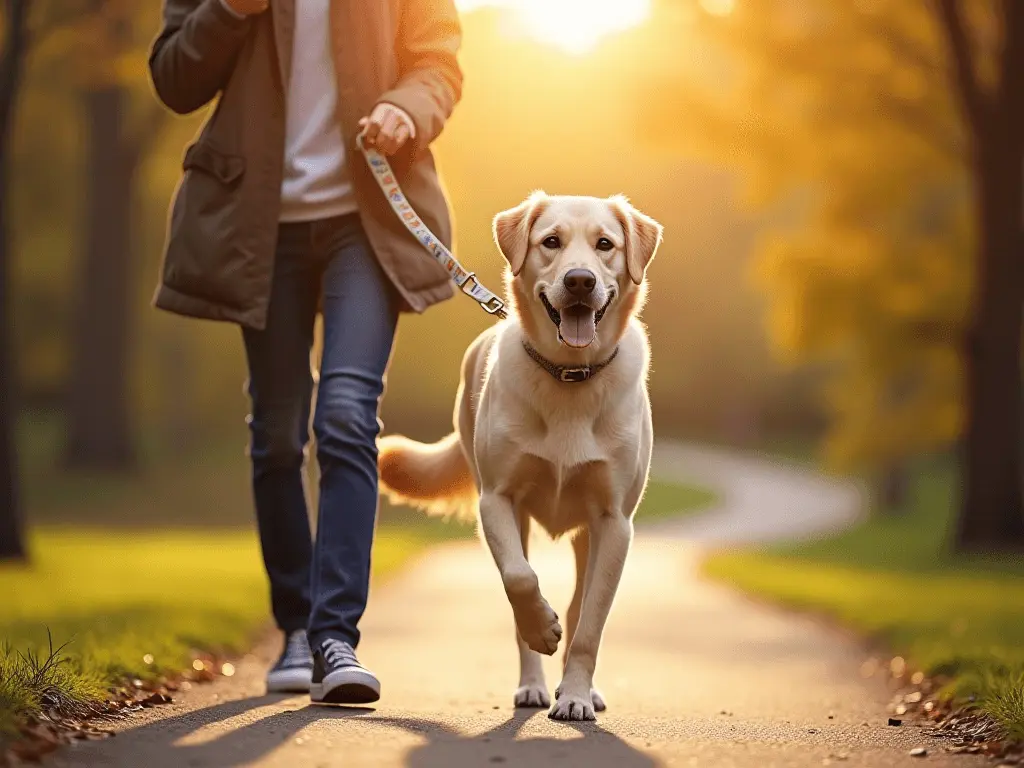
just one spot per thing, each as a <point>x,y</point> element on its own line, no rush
<point>284,35</point>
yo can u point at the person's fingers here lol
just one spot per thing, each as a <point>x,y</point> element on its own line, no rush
<point>386,129</point>
<point>389,125</point>
<point>370,132</point>
<point>402,135</point>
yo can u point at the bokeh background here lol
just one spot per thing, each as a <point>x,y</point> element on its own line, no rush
<point>534,115</point>
<point>832,177</point>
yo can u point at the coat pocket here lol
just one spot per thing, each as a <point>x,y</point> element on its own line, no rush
<point>227,169</point>
<point>205,258</point>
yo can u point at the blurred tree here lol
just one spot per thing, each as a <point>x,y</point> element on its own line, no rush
<point>894,194</point>
<point>991,100</point>
<point>12,542</point>
<point>120,129</point>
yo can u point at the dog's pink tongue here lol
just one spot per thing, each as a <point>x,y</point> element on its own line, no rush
<point>578,327</point>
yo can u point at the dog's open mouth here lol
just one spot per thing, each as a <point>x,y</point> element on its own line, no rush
<point>576,323</point>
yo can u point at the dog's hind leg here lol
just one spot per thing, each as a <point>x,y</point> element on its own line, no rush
<point>610,537</point>
<point>532,690</point>
<point>537,624</point>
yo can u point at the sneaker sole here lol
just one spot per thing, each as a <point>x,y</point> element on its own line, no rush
<point>346,686</point>
<point>289,681</point>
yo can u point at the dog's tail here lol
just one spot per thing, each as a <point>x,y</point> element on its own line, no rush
<point>435,478</point>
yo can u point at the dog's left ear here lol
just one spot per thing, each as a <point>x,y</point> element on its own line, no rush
<point>512,229</point>
<point>643,236</point>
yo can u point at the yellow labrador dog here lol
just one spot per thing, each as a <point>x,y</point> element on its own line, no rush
<point>552,424</point>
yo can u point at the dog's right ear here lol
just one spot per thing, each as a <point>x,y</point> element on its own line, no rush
<point>512,229</point>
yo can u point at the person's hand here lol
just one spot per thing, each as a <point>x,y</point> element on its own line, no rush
<point>387,128</point>
<point>247,7</point>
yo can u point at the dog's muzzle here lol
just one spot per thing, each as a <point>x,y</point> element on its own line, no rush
<point>556,317</point>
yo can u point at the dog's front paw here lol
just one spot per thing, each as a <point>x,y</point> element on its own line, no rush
<point>537,623</point>
<point>573,706</point>
<point>595,698</point>
<point>532,696</point>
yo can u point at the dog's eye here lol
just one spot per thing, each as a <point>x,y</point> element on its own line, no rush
<point>604,244</point>
<point>552,242</point>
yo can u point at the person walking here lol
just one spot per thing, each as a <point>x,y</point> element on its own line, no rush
<point>278,218</point>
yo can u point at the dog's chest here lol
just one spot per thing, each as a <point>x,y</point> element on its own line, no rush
<point>561,498</point>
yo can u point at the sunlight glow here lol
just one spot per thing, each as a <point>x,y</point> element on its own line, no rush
<point>718,7</point>
<point>577,26</point>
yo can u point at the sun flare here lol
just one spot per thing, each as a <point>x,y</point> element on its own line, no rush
<point>576,26</point>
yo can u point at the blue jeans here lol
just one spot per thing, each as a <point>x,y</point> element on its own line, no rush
<point>321,586</point>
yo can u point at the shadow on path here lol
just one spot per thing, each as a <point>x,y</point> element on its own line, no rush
<point>445,747</point>
<point>254,737</point>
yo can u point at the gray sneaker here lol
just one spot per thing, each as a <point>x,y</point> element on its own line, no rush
<point>294,670</point>
<point>339,678</point>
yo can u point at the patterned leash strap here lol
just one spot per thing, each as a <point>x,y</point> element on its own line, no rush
<point>463,278</point>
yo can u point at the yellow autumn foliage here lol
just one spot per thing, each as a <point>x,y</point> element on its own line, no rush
<point>840,118</point>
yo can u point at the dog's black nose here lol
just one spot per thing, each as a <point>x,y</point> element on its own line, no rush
<point>579,282</point>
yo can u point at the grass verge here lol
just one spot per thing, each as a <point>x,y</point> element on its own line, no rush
<point>663,500</point>
<point>894,579</point>
<point>137,604</point>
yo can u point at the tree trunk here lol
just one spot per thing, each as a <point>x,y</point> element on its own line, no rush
<point>12,539</point>
<point>179,421</point>
<point>992,505</point>
<point>894,488</point>
<point>99,408</point>
<point>992,510</point>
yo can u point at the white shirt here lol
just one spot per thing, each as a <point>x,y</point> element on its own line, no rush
<point>316,183</point>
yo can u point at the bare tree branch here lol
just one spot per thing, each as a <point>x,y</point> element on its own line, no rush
<point>58,17</point>
<point>1011,99</point>
<point>926,128</point>
<point>15,46</point>
<point>972,99</point>
<point>902,46</point>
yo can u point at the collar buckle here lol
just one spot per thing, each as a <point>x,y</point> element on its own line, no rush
<point>574,375</point>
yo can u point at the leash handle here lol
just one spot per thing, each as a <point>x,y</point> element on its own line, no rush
<point>466,281</point>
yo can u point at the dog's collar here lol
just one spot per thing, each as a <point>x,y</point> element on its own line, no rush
<point>569,374</point>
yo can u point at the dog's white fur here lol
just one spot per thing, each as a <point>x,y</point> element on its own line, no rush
<point>574,457</point>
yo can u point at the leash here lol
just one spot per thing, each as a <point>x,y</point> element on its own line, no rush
<point>466,281</point>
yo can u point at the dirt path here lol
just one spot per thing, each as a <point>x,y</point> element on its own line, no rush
<point>693,674</point>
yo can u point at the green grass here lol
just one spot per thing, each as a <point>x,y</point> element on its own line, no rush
<point>115,597</point>
<point>895,580</point>
<point>664,500</point>
<point>161,563</point>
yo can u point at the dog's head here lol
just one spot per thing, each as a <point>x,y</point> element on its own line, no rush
<point>576,263</point>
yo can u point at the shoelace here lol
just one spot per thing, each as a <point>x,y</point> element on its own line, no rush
<point>338,653</point>
<point>296,652</point>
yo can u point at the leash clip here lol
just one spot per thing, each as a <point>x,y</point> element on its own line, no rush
<point>495,307</point>
<point>492,306</point>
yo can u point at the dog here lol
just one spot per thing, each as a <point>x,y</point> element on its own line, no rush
<point>552,425</point>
